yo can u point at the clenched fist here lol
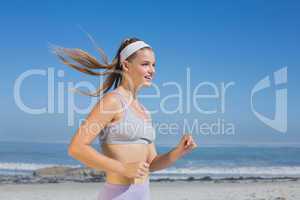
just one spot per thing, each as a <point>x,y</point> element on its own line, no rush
<point>186,144</point>
<point>136,169</point>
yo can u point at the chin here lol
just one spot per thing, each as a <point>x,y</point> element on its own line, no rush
<point>147,84</point>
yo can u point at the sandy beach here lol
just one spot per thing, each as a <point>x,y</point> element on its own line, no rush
<point>159,191</point>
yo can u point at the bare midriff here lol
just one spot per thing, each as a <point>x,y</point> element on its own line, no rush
<point>125,153</point>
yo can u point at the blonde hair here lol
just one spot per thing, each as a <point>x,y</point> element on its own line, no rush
<point>82,61</point>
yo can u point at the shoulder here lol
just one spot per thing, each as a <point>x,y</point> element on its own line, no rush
<point>145,109</point>
<point>109,101</point>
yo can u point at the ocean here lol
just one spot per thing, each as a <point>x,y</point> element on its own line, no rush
<point>216,162</point>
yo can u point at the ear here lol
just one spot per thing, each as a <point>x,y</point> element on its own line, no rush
<point>125,65</point>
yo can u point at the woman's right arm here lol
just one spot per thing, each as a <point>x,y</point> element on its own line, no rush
<point>80,147</point>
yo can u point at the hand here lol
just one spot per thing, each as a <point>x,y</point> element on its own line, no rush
<point>186,144</point>
<point>136,169</point>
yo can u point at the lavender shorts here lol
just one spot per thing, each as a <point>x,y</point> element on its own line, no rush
<point>140,191</point>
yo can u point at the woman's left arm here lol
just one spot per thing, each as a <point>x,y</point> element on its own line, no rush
<point>162,161</point>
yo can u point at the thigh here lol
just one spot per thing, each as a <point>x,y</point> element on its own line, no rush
<point>136,192</point>
<point>111,191</point>
<point>120,192</point>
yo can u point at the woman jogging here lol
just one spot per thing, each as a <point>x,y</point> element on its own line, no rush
<point>121,122</point>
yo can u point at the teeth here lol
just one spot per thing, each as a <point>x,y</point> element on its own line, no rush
<point>148,77</point>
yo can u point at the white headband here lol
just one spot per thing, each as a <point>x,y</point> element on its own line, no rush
<point>131,48</point>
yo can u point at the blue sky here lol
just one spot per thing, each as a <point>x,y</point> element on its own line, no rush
<point>219,41</point>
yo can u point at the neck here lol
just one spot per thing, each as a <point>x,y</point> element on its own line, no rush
<point>131,91</point>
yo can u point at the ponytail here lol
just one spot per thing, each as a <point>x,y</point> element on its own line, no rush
<point>85,63</point>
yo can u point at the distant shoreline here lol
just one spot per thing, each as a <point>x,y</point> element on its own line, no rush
<point>23,179</point>
<point>170,146</point>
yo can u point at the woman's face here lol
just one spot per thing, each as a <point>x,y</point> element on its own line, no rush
<point>141,68</point>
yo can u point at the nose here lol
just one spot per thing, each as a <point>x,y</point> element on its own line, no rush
<point>152,70</point>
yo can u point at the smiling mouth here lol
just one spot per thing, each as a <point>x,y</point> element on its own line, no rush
<point>148,77</point>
